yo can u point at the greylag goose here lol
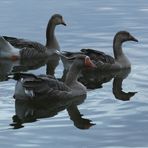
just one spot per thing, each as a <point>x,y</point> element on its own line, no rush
<point>107,62</point>
<point>9,46</point>
<point>30,86</point>
<point>120,60</point>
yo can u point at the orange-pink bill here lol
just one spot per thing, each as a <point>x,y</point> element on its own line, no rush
<point>89,63</point>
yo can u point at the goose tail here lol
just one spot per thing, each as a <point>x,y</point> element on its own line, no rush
<point>7,51</point>
<point>5,45</point>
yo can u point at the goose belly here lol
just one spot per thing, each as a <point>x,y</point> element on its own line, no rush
<point>123,62</point>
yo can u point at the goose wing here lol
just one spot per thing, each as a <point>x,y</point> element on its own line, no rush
<point>29,49</point>
<point>43,84</point>
<point>40,83</point>
<point>47,88</point>
<point>98,56</point>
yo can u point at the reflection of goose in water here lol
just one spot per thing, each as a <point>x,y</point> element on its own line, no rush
<point>30,64</point>
<point>16,48</point>
<point>94,79</point>
<point>117,86</point>
<point>8,66</point>
<point>30,111</point>
<point>76,117</point>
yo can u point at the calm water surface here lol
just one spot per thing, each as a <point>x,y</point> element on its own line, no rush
<point>118,124</point>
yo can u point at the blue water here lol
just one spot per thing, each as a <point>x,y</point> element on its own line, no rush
<point>91,24</point>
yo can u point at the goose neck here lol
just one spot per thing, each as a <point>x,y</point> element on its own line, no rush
<point>51,41</point>
<point>72,75</point>
<point>117,48</point>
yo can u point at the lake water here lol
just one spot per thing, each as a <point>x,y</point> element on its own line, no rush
<point>91,24</point>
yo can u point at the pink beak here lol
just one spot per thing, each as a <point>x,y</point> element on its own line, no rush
<point>89,63</point>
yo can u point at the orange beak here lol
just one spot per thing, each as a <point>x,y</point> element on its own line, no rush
<point>89,63</point>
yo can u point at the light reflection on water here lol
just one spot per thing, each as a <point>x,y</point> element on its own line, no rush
<point>119,124</point>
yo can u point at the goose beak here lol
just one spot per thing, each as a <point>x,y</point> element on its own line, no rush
<point>63,23</point>
<point>133,38</point>
<point>89,63</point>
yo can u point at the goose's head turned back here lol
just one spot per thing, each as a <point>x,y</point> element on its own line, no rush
<point>81,61</point>
<point>123,36</point>
<point>57,19</point>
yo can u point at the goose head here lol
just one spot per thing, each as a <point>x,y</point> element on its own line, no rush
<point>57,19</point>
<point>81,61</point>
<point>78,63</point>
<point>123,36</point>
<point>51,41</point>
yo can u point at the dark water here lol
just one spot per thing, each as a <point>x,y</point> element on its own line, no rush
<point>118,124</point>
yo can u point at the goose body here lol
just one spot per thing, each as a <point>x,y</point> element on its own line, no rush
<point>30,86</point>
<point>30,49</point>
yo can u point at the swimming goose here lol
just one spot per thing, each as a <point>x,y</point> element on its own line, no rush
<point>30,86</point>
<point>104,61</point>
<point>30,49</point>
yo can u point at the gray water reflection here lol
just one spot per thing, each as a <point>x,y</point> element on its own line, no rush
<point>93,79</point>
<point>7,66</point>
<point>117,86</point>
<point>29,64</point>
<point>30,111</point>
